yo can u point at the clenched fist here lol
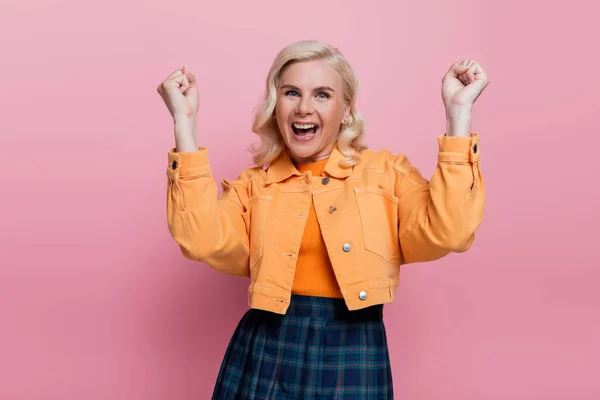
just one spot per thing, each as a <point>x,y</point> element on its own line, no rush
<point>463,84</point>
<point>180,94</point>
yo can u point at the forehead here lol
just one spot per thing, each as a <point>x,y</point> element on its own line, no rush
<point>311,74</point>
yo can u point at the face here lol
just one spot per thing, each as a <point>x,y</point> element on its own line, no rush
<point>309,109</point>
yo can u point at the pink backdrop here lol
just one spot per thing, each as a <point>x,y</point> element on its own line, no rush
<point>96,301</point>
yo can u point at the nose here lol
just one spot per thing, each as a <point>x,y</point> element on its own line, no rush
<point>305,106</point>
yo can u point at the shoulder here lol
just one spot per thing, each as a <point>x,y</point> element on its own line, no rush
<point>238,190</point>
<point>382,160</point>
<point>246,177</point>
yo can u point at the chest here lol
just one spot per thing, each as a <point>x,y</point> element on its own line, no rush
<point>353,214</point>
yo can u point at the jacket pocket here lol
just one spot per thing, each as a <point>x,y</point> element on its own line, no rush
<point>378,211</point>
<point>255,217</point>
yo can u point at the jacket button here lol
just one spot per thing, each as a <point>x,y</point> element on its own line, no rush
<point>475,148</point>
<point>325,181</point>
<point>363,295</point>
<point>174,165</point>
<point>346,247</point>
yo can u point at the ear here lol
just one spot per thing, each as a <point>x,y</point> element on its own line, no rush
<point>346,112</point>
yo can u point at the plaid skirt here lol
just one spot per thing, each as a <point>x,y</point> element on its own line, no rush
<point>317,350</point>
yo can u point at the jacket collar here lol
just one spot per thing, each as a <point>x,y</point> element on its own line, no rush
<point>283,167</point>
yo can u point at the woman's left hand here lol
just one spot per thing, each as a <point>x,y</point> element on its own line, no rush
<point>462,84</point>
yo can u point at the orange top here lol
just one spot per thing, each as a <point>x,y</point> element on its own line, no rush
<point>314,274</point>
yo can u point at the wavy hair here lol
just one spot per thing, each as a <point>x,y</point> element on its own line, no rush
<point>265,125</point>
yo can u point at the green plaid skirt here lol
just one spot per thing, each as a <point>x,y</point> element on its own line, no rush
<point>317,350</point>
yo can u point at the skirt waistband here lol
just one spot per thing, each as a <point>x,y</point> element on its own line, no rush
<point>332,309</point>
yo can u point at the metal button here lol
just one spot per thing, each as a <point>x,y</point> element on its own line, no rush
<point>363,295</point>
<point>475,148</point>
<point>325,181</point>
<point>174,165</point>
<point>346,247</point>
<point>332,209</point>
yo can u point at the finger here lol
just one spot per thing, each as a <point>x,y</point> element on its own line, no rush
<point>466,64</point>
<point>189,74</point>
<point>461,74</point>
<point>179,82</point>
<point>175,73</point>
<point>479,73</point>
<point>183,81</point>
<point>455,70</point>
<point>191,77</point>
<point>471,72</point>
<point>467,77</point>
<point>167,83</point>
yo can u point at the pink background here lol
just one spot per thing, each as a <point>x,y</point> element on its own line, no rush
<point>96,301</point>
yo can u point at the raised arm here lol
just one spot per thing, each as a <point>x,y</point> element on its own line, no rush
<point>440,216</point>
<point>207,229</point>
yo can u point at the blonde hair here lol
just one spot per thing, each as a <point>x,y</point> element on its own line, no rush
<point>265,125</point>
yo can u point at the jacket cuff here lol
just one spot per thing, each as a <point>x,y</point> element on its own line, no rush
<point>188,164</point>
<point>459,149</point>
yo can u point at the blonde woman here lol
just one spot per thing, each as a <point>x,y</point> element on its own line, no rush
<point>320,225</point>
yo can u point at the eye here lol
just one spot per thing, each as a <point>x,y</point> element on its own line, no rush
<point>291,93</point>
<point>323,95</point>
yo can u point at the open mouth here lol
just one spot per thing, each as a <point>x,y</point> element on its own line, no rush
<point>304,131</point>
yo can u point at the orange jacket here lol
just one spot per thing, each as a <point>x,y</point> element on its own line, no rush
<point>374,216</point>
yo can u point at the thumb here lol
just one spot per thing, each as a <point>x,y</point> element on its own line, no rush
<point>456,69</point>
<point>183,82</point>
<point>191,92</point>
<point>192,95</point>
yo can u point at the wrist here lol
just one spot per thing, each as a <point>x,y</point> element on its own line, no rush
<point>185,135</point>
<point>458,112</point>
<point>184,120</point>
<point>458,121</point>
<point>184,126</point>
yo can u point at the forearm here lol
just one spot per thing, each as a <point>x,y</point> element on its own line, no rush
<point>185,135</point>
<point>441,216</point>
<point>207,229</point>
<point>458,121</point>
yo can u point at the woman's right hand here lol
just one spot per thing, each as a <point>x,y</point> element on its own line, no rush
<point>180,93</point>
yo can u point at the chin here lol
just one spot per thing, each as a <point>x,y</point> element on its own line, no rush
<point>302,148</point>
<point>307,154</point>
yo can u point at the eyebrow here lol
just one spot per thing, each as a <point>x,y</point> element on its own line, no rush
<point>318,89</point>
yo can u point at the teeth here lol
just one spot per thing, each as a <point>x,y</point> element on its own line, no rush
<point>304,126</point>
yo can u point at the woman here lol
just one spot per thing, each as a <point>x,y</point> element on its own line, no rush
<point>321,225</point>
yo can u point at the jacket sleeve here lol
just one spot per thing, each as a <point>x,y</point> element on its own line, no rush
<point>207,228</point>
<point>440,216</point>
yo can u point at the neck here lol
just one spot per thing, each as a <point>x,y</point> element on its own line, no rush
<point>310,159</point>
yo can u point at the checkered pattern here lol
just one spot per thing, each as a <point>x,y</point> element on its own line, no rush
<point>318,350</point>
